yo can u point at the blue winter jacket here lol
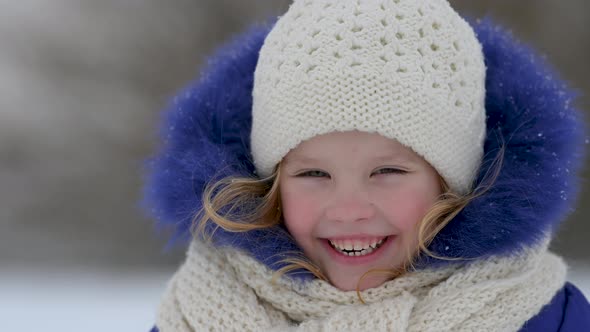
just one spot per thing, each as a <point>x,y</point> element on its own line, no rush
<point>530,117</point>
<point>569,311</point>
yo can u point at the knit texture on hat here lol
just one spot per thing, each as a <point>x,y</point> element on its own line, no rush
<point>409,70</point>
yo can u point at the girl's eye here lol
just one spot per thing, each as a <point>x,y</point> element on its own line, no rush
<point>389,171</point>
<point>313,174</point>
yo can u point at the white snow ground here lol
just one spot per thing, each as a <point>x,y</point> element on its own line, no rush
<point>73,300</point>
<point>79,300</point>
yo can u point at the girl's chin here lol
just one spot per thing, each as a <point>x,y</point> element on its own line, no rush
<point>346,283</point>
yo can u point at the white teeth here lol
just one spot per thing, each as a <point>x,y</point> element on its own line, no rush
<point>356,247</point>
<point>348,245</point>
<point>374,246</point>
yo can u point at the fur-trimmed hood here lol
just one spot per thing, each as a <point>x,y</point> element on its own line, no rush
<point>530,111</point>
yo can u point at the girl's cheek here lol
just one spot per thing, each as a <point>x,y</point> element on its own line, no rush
<point>298,211</point>
<point>406,207</point>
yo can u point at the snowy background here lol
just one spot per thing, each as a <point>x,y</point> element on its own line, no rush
<point>81,85</point>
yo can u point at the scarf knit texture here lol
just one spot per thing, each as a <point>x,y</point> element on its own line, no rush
<point>227,290</point>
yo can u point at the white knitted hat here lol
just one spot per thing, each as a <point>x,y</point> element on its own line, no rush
<point>410,70</point>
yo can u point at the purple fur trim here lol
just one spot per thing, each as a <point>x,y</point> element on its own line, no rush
<point>529,110</point>
<point>206,133</point>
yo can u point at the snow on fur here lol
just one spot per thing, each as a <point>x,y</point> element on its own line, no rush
<point>205,133</point>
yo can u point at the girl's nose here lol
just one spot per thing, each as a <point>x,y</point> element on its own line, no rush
<point>350,208</point>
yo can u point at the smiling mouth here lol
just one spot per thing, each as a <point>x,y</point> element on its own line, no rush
<point>357,248</point>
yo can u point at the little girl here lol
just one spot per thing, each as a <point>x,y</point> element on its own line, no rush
<point>376,165</point>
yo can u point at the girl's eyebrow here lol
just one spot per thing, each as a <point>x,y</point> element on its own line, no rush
<point>395,158</point>
<point>380,159</point>
<point>301,160</point>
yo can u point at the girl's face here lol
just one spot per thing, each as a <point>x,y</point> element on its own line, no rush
<point>353,201</point>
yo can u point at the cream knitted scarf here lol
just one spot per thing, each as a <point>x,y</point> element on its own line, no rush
<point>226,290</point>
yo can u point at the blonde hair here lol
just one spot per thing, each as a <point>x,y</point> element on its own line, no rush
<point>241,204</point>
